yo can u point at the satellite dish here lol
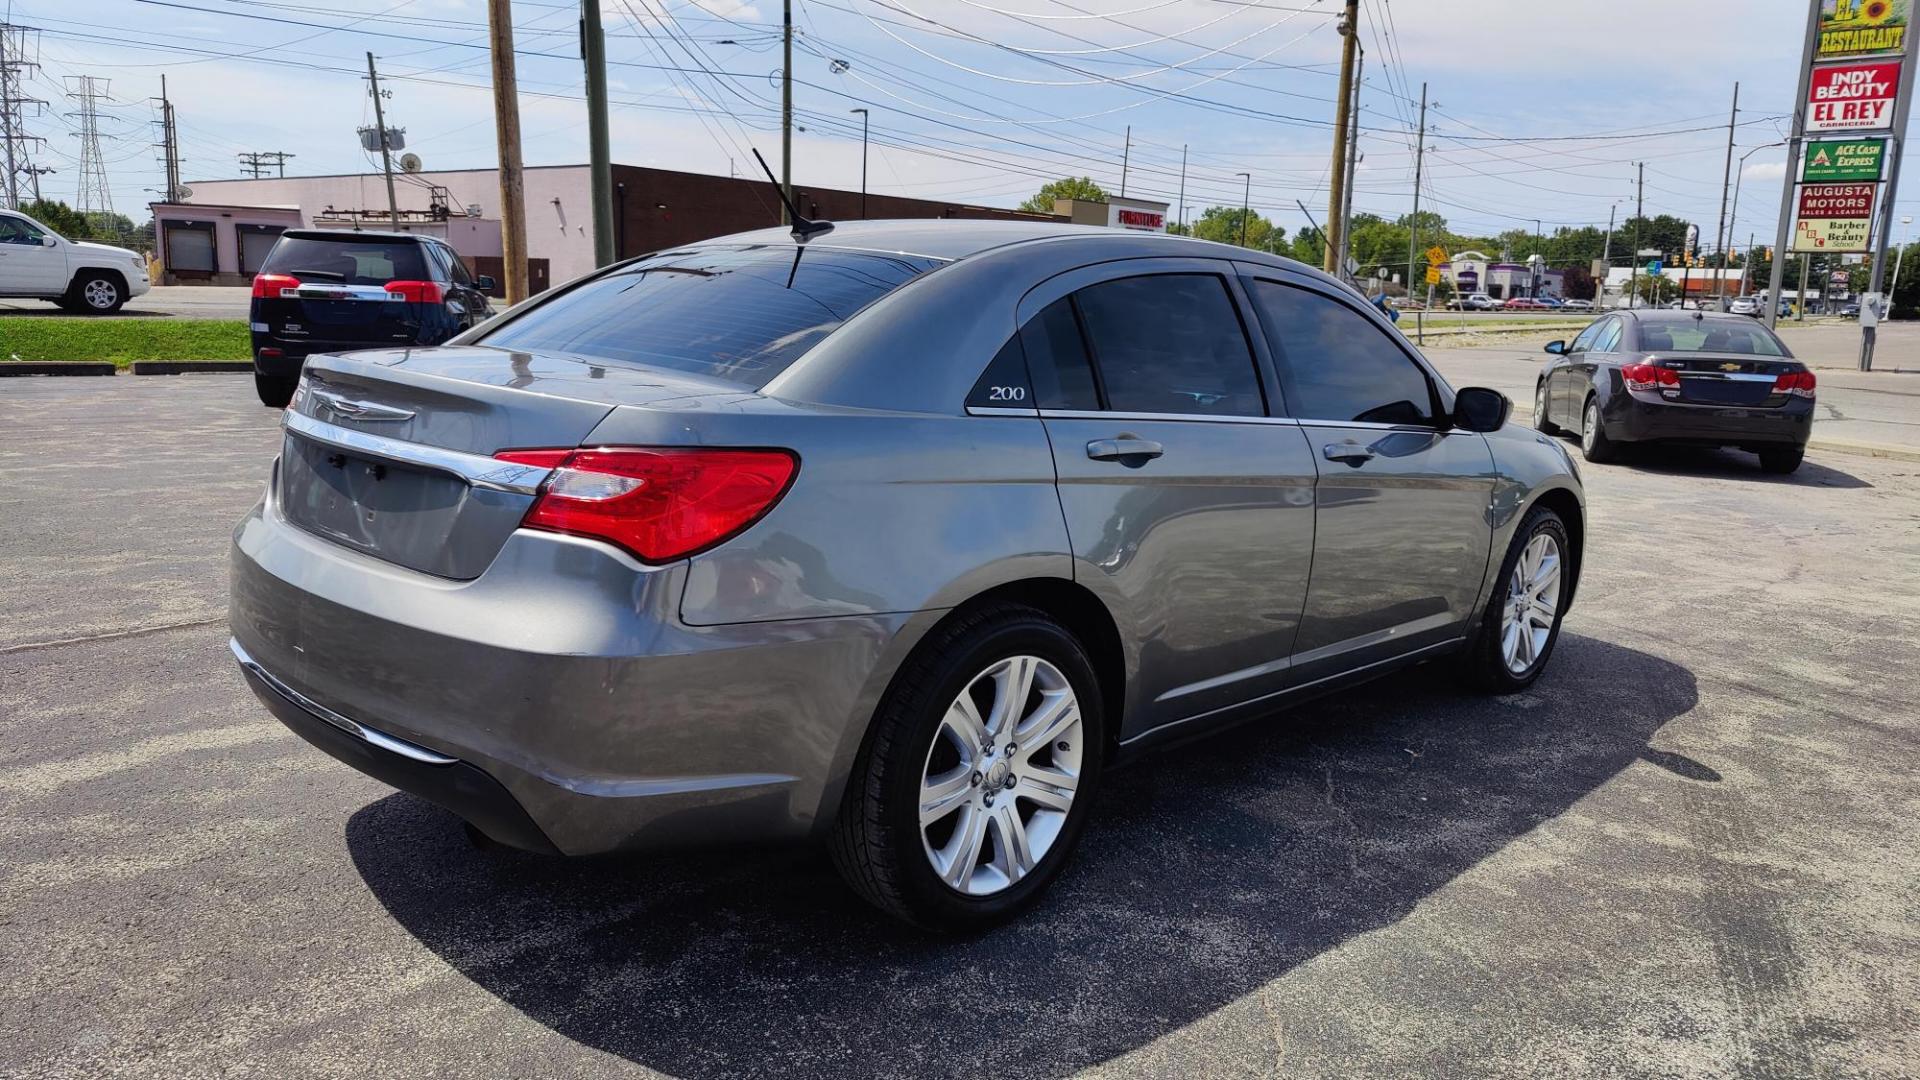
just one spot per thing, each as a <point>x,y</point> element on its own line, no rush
<point>183,193</point>
<point>409,162</point>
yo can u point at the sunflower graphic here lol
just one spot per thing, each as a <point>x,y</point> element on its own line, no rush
<point>1875,12</point>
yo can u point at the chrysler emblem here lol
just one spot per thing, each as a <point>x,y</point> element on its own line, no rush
<point>367,411</point>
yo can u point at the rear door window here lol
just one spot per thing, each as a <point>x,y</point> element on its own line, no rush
<point>739,314</point>
<point>1339,364</point>
<point>1170,343</point>
<point>347,261</point>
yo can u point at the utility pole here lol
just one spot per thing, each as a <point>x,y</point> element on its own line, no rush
<point>169,143</point>
<point>506,126</point>
<point>1413,221</point>
<point>786,107</point>
<point>1246,207</point>
<point>1726,178</point>
<point>1639,215</point>
<point>15,68</point>
<point>1785,226</point>
<point>1745,264</point>
<point>864,116</point>
<point>1353,159</point>
<point>386,143</point>
<point>1182,204</point>
<point>1126,155</point>
<point>1606,259</point>
<point>593,53</point>
<point>1336,195</point>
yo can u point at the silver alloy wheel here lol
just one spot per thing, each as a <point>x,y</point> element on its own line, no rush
<point>1540,406</point>
<point>1000,776</point>
<point>1533,599</point>
<point>1589,424</point>
<point>100,294</point>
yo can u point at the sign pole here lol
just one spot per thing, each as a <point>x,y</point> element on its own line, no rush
<point>1785,228</point>
<point>1896,145</point>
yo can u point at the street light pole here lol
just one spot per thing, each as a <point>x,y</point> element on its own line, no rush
<point>1539,259</point>
<point>863,160</point>
<point>1246,204</point>
<point>786,107</point>
<point>1413,221</point>
<point>1733,217</point>
<point>1183,186</point>
<point>1899,257</point>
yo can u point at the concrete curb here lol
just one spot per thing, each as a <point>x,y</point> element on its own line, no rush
<point>182,367</point>
<point>56,367</point>
<point>1830,446</point>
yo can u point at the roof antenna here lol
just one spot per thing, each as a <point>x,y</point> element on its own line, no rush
<point>803,229</point>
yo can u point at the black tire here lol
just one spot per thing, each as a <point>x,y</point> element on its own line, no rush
<point>275,390</point>
<point>95,293</point>
<point>1783,460</point>
<point>1594,444</point>
<point>1486,667</point>
<point>877,843</point>
<point>1540,421</point>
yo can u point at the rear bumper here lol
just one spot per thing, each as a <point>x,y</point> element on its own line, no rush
<point>561,678</point>
<point>1631,419</point>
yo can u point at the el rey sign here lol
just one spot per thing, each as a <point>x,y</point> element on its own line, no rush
<point>1852,97</point>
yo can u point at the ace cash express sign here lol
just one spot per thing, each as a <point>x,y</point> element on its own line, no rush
<point>1852,96</point>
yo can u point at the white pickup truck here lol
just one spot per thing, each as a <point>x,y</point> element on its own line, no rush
<point>88,279</point>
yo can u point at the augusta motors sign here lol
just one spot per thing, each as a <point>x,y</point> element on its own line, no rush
<point>1852,97</point>
<point>1836,200</point>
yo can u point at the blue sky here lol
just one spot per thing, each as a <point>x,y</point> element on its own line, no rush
<point>1541,107</point>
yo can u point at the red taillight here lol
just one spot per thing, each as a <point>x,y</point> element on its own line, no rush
<point>269,286</point>
<point>419,292</point>
<point>660,503</point>
<point>1797,383</point>
<point>1649,377</point>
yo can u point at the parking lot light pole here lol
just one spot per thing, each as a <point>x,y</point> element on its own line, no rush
<point>863,160</point>
<point>1733,216</point>
<point>1899,256</point>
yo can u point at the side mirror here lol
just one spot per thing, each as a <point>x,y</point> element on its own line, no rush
<point>483,283</point>
<point>1557,348</point>
<point>48,241</point>
<point>1476,408</point>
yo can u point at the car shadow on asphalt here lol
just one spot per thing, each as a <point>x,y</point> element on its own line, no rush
<point>1734,465</point>
<point>1205,873</point>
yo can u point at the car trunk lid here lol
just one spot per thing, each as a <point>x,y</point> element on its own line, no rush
<point>391,452</point>
<point>1730,379</point>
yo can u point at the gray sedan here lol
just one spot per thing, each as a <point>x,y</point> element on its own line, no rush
<point>896,539</point>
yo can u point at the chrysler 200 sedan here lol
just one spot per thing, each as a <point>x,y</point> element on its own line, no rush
<point>896,539</point>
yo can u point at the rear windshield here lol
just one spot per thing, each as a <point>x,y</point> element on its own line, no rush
<point>740,314</point>
<point>347,262</point>
<point>1709,337</point>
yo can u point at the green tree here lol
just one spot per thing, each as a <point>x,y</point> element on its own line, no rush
<point>1222,224</point>
<point>1656,289</point>
<point>1665,233</point>
<point>1070,187</point>
<point>59,217</point>
<point>1576,283</point>
<point>1905,292</point>
<point>1308,247</point>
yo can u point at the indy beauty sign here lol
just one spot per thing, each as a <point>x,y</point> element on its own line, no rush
<point>1853,96</point>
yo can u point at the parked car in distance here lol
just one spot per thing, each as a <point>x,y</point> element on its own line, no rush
<point>1473,302</point>
<point>1576,305</point>
<point>748,540</point>
<point>1850,309</point>
<point>81,276</point>
<point>1654,376</point>
<point>1746,305</point>
<point>1553,302</point>
<point>1683,305</point>
<point>1526,303</point>
<point>328,290</point>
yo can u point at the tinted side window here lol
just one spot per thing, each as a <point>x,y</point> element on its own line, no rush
<point>1057,359</point>
<point>1004,384</point>
<point>459,266</point>
<point>1608,338</point>
<point>1587,336</point>
<point>1343,366</point>
<point>437,259</point>
<point>1170,343</point>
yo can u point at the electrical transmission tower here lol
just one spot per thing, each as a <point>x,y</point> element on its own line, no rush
<point>18,46</point>
<point>255,163</point>
<point>93,199</point>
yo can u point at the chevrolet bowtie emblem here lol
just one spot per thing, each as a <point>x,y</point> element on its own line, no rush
<point>1729,367</point>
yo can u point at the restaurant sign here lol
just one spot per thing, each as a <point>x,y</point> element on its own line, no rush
<point>1863,27</point>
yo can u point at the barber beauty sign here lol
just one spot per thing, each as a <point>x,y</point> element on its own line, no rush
<point>1852,96</point>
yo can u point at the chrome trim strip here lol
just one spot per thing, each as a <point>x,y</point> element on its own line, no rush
<point>1281,693</point>
<point>359,731</point>
<point>995,410</point>
<point>1218,681</point>
<point>1204,418</point>
<point>1419,429</point>
<point>1731,376</point>
<point>477,471</point>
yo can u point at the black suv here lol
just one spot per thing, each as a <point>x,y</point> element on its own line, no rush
<point>327,291</point>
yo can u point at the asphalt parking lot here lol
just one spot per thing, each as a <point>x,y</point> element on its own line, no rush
<point>1687,851</point>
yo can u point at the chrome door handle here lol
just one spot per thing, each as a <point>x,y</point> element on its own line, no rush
<point>1124,447</point>
<point>1350,452</point>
